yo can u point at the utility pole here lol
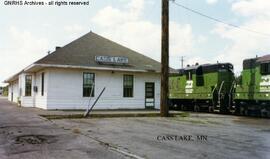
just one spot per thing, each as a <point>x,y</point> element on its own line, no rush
<point>182,61</point>
<point>164,92</point>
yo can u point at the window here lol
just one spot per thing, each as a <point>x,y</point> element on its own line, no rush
<point>199,77</point>
<point>88,84</point>
<point>128,86</point>
<point>28,85</point>
<point>42,84</point>
<point>265,68</point>
<point>149,90</point>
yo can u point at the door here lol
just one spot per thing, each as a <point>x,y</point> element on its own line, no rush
<point>149,95</point>
<point>12,97</point>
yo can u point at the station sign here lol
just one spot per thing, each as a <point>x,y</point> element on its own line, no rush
<point>111,59</point>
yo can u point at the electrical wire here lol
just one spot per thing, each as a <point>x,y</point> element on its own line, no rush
<point>218,20</point>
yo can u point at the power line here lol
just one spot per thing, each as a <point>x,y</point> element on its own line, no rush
<point>217,20</point>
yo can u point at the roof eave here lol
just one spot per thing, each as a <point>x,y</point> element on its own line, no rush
<point>12,78</point>
<point>34,67</point>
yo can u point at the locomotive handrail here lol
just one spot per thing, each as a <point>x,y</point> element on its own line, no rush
<point>233,83</point>
<point>230,95</point>
<point>219,91</point>
<point>213,93</point>
<point>214,90</point>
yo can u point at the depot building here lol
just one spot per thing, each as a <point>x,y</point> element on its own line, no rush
<point>73,77</point>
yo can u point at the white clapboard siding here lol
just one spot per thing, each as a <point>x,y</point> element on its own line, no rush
<point>26,101</point>
<point>35,100</point>
<point>13,88</point>
<point>41,101</point>
<point>9,91</point>
<point>65,89</point>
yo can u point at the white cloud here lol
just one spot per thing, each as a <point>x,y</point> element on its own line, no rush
<point>211,1</point>
<point>110,16</point>
<point>129,28</point>
<point>201,39</point>
<point>252,7</point>
<point>74,30</point>
<point>196,59</point>
<point>23,49</point>
<point>246,44</point>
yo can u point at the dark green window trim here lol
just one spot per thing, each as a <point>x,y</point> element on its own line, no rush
<point>28,85</point>
<point>42,84</point>
<point>88,84</point>
<point>128,84</point>
<point>265,68</point>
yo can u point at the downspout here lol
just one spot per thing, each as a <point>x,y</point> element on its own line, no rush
<point>34,91</point>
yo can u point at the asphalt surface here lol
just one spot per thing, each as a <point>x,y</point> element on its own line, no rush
<point>228,137</point>
<point>24,134</point>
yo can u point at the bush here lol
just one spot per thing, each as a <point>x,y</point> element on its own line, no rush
<point>5,91</point>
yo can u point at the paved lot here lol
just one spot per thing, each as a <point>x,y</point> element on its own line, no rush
<point>25,135</point>
<point>227,136</point>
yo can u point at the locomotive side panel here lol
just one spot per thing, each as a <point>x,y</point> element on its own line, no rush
<point>202,87</point>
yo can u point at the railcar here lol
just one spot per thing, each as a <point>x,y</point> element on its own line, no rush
<point>205,87</point>
<point>252,93</point>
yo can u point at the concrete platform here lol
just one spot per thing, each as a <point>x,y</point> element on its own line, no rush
<point>61,114</point>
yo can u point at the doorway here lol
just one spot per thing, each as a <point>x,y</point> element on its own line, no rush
<point>11,96</point>
<point>149,95</point>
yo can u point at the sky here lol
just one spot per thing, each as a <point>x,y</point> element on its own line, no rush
<point>28,32</point>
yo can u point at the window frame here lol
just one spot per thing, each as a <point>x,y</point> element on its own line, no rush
<point>128,94</point>
<point>85,86</point>
<point>28,87</point>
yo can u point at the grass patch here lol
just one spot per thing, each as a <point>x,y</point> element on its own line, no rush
<point>187,119</point>
<point>72,116</point>
<point>193,120</point>
<point>183,114</point>
<point>213,122</point>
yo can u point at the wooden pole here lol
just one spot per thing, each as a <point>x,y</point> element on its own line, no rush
<point>182,62</point>
<point>164,110</point>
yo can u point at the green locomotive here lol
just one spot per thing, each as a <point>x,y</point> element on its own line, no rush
<point>202,87</point>
<point>252,93</point>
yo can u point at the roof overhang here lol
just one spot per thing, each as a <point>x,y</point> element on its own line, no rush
<point>37,67</point>
<point>13,78</point>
